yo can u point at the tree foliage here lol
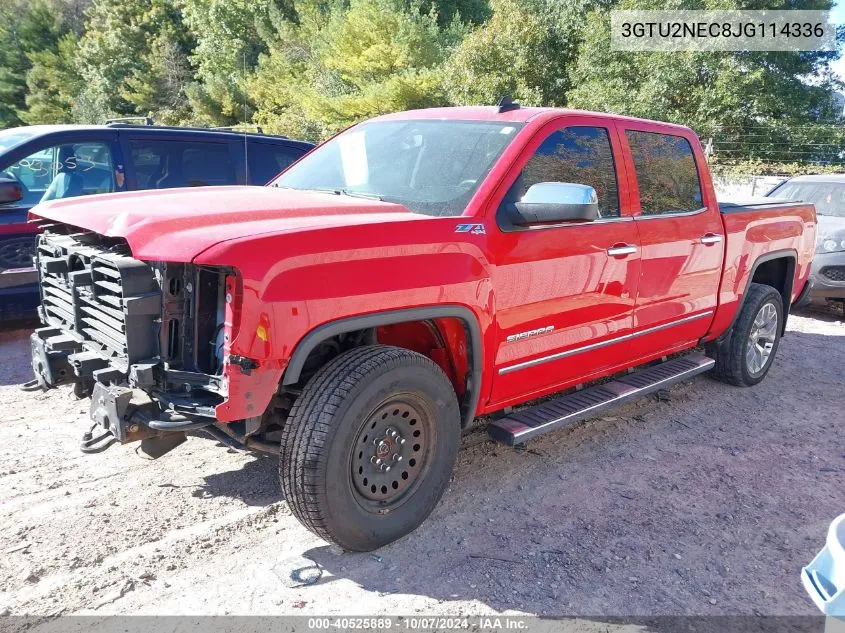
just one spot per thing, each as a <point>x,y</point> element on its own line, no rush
<point>526,50</point>
<point>752,103</point>
<point>333,65</point>
<point>25,27</point>
<point>124,55</point>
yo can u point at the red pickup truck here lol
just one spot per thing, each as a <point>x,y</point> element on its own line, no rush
<point>412,273</point>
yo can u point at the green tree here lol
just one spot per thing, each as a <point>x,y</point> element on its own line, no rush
<point>228,44</point>
<point>335,65</point>
<point>526,50</point>
<point>469,11</point>
<point>159,88</point>
<point>751,103</point>
<point>25,27</point>
<point>124,54</point>
<point>52,83</point>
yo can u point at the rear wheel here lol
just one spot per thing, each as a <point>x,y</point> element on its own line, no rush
<point>746,357</point>
<point>369,446</point>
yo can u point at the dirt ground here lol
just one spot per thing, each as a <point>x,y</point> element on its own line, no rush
<point>708,503</point>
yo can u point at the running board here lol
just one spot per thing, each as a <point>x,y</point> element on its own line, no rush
<point>527,424</point>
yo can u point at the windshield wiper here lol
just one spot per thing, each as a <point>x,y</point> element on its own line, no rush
<point>340,192</point>
<point>361,194</point>
<point>351,194</point>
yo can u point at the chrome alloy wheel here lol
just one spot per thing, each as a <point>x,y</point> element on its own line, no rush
<point>761,340</point>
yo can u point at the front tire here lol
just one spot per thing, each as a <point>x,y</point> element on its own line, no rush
<point>746,356</point>
<point>369,446</point>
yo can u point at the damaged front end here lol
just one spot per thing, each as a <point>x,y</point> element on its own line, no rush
<point>145,341</point>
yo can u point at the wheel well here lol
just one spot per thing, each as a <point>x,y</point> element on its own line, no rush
<point>446,336</point>
<point>778,273</point>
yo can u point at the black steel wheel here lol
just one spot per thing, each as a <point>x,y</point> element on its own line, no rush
<point>392,453</point>
<point>369,446</point>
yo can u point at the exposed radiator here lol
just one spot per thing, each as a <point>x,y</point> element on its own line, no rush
<point>99,295</point>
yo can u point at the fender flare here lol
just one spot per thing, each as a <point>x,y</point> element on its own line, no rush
<point>788,254</point>
<point>323,332</point>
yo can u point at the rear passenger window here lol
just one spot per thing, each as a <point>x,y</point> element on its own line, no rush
<point>666,173</point>
<point>265,161</point>
<point>169,164</point>
<point>579,155</point>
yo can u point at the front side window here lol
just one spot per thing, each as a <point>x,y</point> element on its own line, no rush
<point>170,164</point>
<point>667,175</point>
<point>580,155</point>
<point>63,171</point>
<point>431,167</point>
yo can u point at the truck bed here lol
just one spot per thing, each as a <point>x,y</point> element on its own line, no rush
<point>757,204</point>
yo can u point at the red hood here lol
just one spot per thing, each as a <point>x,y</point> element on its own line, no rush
<point>178,224</point>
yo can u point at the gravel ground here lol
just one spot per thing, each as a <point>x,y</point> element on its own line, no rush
<point>708,503</point>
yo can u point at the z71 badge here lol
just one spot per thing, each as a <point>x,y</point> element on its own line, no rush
<point>475,229</point>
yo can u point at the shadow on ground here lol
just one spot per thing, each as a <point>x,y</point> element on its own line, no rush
<point>256,483</point>
<point>707,504</point>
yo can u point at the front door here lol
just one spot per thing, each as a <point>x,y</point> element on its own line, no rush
<point>60,165</point>
<point>681,234</point>
<point>564,293</point>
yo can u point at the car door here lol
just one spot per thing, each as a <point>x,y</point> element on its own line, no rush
<point>59,165</point>
<point>564,294</point>
<point>90,156</point>
<point>157,160</point>
<point>681,236</point>
<point>265,159</point>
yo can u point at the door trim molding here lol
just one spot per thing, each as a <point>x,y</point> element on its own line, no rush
<point>593,346</point>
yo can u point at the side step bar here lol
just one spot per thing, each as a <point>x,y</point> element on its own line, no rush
<point>526,424</point>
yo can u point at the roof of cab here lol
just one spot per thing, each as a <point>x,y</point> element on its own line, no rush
<point>36,131</point>
<point>521,114</point>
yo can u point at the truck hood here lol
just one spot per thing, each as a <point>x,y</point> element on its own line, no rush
<point>830,226</point>
<point>178,224</point>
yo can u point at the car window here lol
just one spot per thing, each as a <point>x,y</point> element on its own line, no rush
<point>15,136</point>
<point>265,161</point>
<point>666,173</point>
<point>169,164</point>
<point>63,171</point>
<point>580,155</point>
<point>431,166</point>
<point>828,197</point>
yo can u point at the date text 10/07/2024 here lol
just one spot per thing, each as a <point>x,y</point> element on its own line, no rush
<point>421,623</point>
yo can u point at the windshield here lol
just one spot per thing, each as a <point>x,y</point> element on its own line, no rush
<point>828,197</point>
<point>14,136</point>
<point>432,167</point>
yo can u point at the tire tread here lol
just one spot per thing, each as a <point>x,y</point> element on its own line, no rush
<point>304,446</point>
<point>730,360</point>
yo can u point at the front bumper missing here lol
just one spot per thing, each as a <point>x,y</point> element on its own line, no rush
<point>120,413</point>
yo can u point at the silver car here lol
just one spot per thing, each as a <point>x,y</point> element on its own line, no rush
<point>828,194</point>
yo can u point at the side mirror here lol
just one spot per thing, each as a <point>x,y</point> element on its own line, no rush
<point>10,191</point>
<point>553,202</point>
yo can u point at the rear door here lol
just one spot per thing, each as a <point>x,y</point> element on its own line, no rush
<point>166,161</point>
<point>265,159</point>
<point>565,293</point>
<point>681,236</point>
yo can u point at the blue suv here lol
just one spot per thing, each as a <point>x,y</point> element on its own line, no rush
<point>49,162</point>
